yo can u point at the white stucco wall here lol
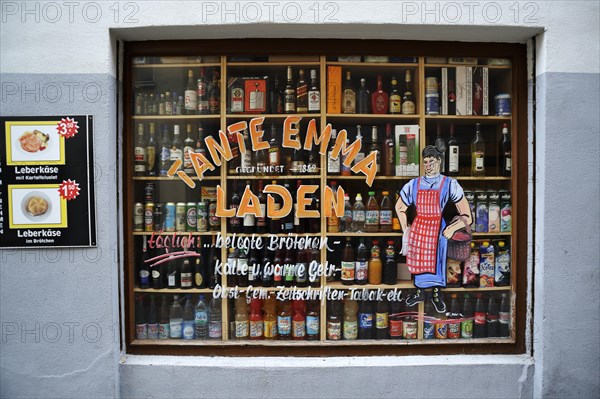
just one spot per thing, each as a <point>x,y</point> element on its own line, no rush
<point>72,46</point>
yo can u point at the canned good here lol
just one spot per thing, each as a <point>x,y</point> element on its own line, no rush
<point>180,215</point>
<point>148,216</point>
<point>158,217</point>
<point>410,329</point>
<point>191,217</point>
<point>432,104</point>
<point>169,216</point>
<point>149,192</point>
<point>202,216</point>
<point>138,216</point>
<point>503,104</point>
<point>428,329</point>
<point>213,221</point>
<point>441,330</point>
<point>431,85</point>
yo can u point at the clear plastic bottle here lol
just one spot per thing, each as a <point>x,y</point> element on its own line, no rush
<point>358,215</point>
<point>346,220</point>
<point>242,322</point>
<point>201,318</point>
<point>350,319</point>
<point>372,214</point>
<point>215,328</point>
<point>176,319</point>
<point>188,319</point>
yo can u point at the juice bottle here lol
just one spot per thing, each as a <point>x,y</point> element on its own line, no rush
<point>298,320</point>
<point>312,320</point>
<point>372,214</point>
<point>269,319</point>
<point>350,319</point>
<point>333,222</point>
<point>284,320</point>
<point>334,321</point>
<point>256,319</point>
<point>382,319</point>
<point>390,267</point>
<point>385,213</point>
<point>361,267</point>
<point>242,322</point>
<point>348,263</point>
<point>375,265</point>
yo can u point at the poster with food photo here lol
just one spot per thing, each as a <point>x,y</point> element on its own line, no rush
<point>34,143</point>
<point>36,206</point>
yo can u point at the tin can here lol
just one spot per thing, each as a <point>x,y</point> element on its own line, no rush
<point>158,217</point>
<point>431,85</point>
<point>148,216</point>
<point>410,329</point>
<point>138,216</point>
<point>213,221</point>
<point>149,192</point>
<point>481,212</point>
<point>202,216</point>
<point>180,216</point>
<point>169,216</point>
<point>453,330</point>
<point>428,329</point>
<point>441,329</point>
<point>191,217</point>
<point>432,104</point>
<point>503,104</point>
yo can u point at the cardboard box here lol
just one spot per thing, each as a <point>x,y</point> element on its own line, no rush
<point>463,60</point>
<point>408,136</point>
<point>461,90</point>
<point>334,89</point>
<point>294,58</point>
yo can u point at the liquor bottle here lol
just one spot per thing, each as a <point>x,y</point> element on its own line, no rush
<point>287,223</point>
<point>360,155</point>
<point>298,320</point>
<point>274,151</point>
<point>491,318</point>
<point>372,214</point>
<point>185,276</point>
<point>390,267</point>
<point>382,312</point>
<point>276,100</point>
<point>387,162</point>
<point>334,321</point>
<point>365,320</point>
<point>314,224</point>
<point>299,223</point>
<point>505,152</point>
<point>453,154</point>
<point>178,106</point>
<point>441,145</point>
<point>175,319</point>
<point>236,97</point>
<point>139,166</point>
<point>290,93</point>
<point>375,268</point>
<point>267,269</point>
<point>504,317</point>
<point>188,148</point>
<point>214,94</point>
<point>246,156</point>
<point>478,153</point>
<point>364,98</point>
<point>248,220</point>
<point>297,166</point>
<point>395,98</point>
<point>314,94</point>
<point>235,222</point>
<point>375,147</point>
<point>333,222</point>
<point>408,97</point>
<point>350,326</point>
<point>261,221</point>
<point>139,104</point>
<point>379,99</point>
<point>301,94</point>
<point>199,277</point>
<point>176,151</point>
<point>349,96</point>
<point>312,164</point>
<point>191,95</point>
<point>348,263</point>
<point>345,169</point>
<point>346,220</point>
<point>261,161</point>
<point>151,151</point>
<point>361,267</point>
<point>202,92</point>
<point>479,330</point>
<point>165,153</point>
<point>385,213</point>
<point>172,274</point>
<point>358,215</point>
<point>333,165</point>
<point>275,223</point>
<point>161,104</point>
<point>312,320</point>
<point>168,104</point>
<point>215,276</point>
<point>256,319</point>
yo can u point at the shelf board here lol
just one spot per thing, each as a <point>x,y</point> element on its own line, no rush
<point>274,177</point>
<point>365,234</point>
<point>174,178</point>
<point>339,177</point>
<point>174,290</point>
<point>375,64</point>
<point>475,234</point>
<point>274,64</point>
<point>401,284</point>
<point>472,118</point>
<point>498,178</point>
<point>173,117</point>
<point>469,289</point>
<point>372,116</point>
<point>275,235</point>
<point>179,233</point>
<point>270,116</point>
<point>470,65</point>
<point>184,65</point>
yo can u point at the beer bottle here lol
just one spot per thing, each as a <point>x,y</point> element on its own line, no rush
<point>289,266</point>
<point>301,269</point>
<point>153,318</point>
<point>278,266</point>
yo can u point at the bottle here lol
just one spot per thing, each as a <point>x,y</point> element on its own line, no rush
<point>385,213</point>
<point>466,326</point>
<point>348,263</point>
<point>454,327</point>
<point>390,267</point>
<point>505,152</point>
<point>365,320</point>
<point>297,166</point>
<point>301,268</point>
<point>190,95</point>
<point>346,220</point>
<point>215,328</point>
<point>161,104</point>
<point>261,161</point>
<point>270,319</point>
<point>408,97</point>
<point>491,318</point>
<point>248,220</point>
<point>188,324</point>
<point>478,153</point>
<point>284,320</point>
<point>375,148</point>
<point>312,320</point>
<point>479,330</point>
<point>236,97</point>
<point>278,266</point>
<point>290,93</point>
<point>289,266</point>
<point>188,148</point>
<point>372,214</point>
<point>168,104</point>
<point>144,272</point>
<point>314,94</point>
<point>165,153</point>
<point>199,148</point>
<point>151,151</point>
<point>301,94</point>
<point>387,162</point>
<point>430,318</point>
<point>261,221</point>
<point>156,277</point>
<point>348,96</point>
<point>361,266</point>
<point>350,319</point>
<point>298,320</point>
<point>214,94</point>
<point>179,106</point>
<point>255,320</point>
<point>334,321</point>
<point>254,272</point>
<point>314,258</point>
<point>453,154</point>
<point>504,317</point>
<point>176,319</point>
<point>275,223</point>
<point>274,150</point>
<point>185,276</point>
<point>333,165</point>
<point>312,164</point>
<point>375,266</point>
<point>441,144</point>
<point>267,266</point>
<point>441,326</point>
<point>202,93</point>
<point>164,326</point>
<point>153,327</point>
<point>395,98</point>
<point>358,215</point>
<point>382,319</point>
<point>276,103</point>
<point>242,267</point>
<point>242,322</point>
<point>314,224</point>
<point>201,318</point>
<point>299,223</point>
<point>395,320</point>
<point>333,222</point>
<point>176,151</point>
<point>345,169</point>
<point>141,326</point>
<point>140,162</point>
<point>364,98</point>
<point>379,99</point>
<point>360,155</point>
<point>235,222</point>
<point>172,274</point>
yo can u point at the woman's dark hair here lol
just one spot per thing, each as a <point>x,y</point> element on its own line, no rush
<point>432,151</point>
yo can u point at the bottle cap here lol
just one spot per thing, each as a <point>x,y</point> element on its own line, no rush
<point>358,197</point>
<point>385,192</point>
<point>375,242</point>
<point>372,193</point>
<point>390,242</point>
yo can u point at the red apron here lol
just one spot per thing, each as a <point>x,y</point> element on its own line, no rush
<point>425,231</point>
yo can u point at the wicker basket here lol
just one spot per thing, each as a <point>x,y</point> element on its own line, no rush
<point>459,246</point>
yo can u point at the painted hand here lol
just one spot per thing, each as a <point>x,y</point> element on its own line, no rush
<point>404,250</point>
<point>449,232</point>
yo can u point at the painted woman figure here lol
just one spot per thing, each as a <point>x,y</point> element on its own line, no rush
<point>425,242</point>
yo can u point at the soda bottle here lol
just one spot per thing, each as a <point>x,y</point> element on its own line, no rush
<point>164,327</point>
<point>312,320</point>
<point>382,319</point>
<point>256,319</point>
<point>441,326</point>
<point>372,214</point>
<point>242,322</point>
<point>348,263</point>
<point>350,319</point>
<point>141,327</point>
<point>375,266</point>
<point>361,266</point>
<point>411,328</point>
<point>153,318</point>
<point>454,327</point>
<point>430,317</point>
<point>466,326</point>
<point>188,319</point>
<point>385,213</point>
<point>396,323</point>
<point>358,215</point>
<point>176,318</point>
<point>215,328</point>
<point>346,220</point>
<point>491,318</point>
<point>298,320</point>
<point>504,317</point>
<point>201,318</point>
<point>390,268</point>
<point>365,320</point>
<point>479,330</point>
<point>334,321</point>
<point>270,319</point>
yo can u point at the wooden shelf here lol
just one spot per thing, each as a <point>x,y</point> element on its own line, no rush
<point>174,290</point>
<point>359,177</point>
<point>489,178</point>
<point>270,116</point>
<point>268,64</point>
<point>178,233</point>
<point>401,285</point>
<point>273,177</point>
<point>184,65</point>
<point>174,178</point>
<point>505,234</point>
<point>174,117</point>
<point>275,235</point>
<point>365,234</point>
<point>471,118</point>
<point>468,289</point>
<point>372,116</point>
<point>375,64</point>
<point>470,65</point>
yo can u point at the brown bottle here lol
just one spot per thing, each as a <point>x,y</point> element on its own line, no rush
<point>348,263</point>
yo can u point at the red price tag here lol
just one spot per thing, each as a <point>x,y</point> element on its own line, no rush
<point>69,189</point>
<point>67,127</point>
